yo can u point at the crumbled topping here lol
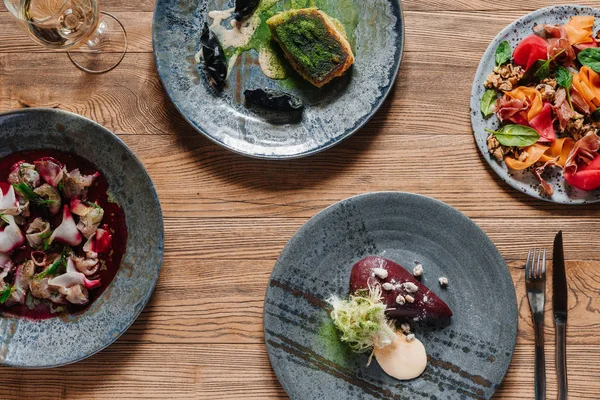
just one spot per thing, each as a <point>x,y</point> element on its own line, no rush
<point>496,150</point>
<point>505,77</point>
<point>410,337</point>
<point>380,272</point>
<point>409,298</point>
<point>418,270</point>
<point>405,328</point>
<point>443,281</point>
<point>387,286</point>
<point>400,299</point>
<point>410,287</point>
<point>548,89</point>
<point>425,299</point>
<point>578,129</point>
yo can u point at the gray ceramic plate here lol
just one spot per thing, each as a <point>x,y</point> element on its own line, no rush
<point>332,114</point>
<point>467,359</point>
<point>58,341</point>
<point>524,180</point>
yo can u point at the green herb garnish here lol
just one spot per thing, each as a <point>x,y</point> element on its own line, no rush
<point>56,265</point>
<point>503,53</point>
<point>361,320</point>
<point>5,294</point>
<point>565,79</point>
<point>590,57</point>
<point>90,204</point>
<point>515,135</point>
<point>487,102</point>
<point>4,219</point>
<point>538,71</point>
<point>32,196</point>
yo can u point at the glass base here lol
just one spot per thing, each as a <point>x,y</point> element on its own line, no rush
<point>104,50</point>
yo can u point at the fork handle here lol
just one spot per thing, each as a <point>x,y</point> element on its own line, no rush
<point>561,357</point>
<point>540,358</point>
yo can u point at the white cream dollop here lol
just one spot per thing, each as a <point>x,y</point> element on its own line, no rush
<point>402,359</point>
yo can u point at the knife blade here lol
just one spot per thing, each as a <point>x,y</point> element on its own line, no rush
<point>559,279</point>
<point>560,308</point>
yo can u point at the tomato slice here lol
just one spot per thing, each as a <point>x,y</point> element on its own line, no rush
<point>531,49</point>
<point>586,178</point>
<point>543,124</point>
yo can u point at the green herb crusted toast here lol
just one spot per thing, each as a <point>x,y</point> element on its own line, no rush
<point>315,44</point>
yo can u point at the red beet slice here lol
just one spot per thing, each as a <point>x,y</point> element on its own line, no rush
<point>363,274</point>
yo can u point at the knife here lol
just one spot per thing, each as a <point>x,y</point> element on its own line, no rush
<point>559,305</point>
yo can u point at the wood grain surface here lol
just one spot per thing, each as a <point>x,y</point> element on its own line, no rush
<point>227,217</point>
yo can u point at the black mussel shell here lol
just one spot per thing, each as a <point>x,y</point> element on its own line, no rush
<point>215,62</point>
<point>273,100</point>
<point>244,8</point>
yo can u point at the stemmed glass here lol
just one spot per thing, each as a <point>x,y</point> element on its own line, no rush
<point>96,41</point>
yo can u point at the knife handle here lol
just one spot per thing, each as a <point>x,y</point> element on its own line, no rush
<point>540,358</point>
<point>561,357</point>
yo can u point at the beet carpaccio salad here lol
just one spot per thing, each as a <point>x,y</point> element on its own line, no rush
<point>546,94</point>
<point>61,236</point>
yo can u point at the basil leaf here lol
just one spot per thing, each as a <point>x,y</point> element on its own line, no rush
<point>503,53</point>
<point>590,57</point>
<point>488,101</point>
<point>538,71</point>
<point>565,79</point>
<point>515,135</point>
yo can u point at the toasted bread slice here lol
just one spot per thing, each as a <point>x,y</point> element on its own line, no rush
<point>313,43</point>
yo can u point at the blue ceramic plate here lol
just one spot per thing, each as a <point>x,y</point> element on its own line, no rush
<point>66,339</point>
<point>524,180</point>
<point>332,114</point>
<point>467,359</point>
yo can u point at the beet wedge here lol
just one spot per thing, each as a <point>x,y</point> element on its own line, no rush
<point>396,281</point>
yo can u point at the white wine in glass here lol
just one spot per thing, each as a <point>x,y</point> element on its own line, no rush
<point>96,41</point>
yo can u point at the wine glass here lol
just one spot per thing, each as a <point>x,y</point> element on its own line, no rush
<point>96,41</point>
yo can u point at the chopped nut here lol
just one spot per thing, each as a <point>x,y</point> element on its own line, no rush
<point>495,148</point>
<point>405,328</point>
<point>443,281</point>
<point>504,78</point>
<point>418,270</point>
<point>387,286</point>
<point>409,298</point>
<point>410,337</point>
<point>380,272</point>
<point>410,287</point>
<point>400,299</point>
<point>523,156</point>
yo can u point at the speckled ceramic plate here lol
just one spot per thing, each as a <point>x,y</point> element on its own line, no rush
<point>524,180</point>
<point>332,114</point>
<point>467,359</point>
<point>66,339</point>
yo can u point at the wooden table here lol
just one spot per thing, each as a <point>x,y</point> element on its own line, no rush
<point>227,217</point>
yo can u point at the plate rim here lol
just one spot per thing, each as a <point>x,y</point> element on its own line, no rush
<point>498,168</point>
<point>155,199</point>
<point>393,76</point>
<point>322,213</point>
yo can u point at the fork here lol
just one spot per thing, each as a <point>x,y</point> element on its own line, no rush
<point>535,282</point>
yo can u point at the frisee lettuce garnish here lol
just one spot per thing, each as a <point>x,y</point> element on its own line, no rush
<point>361,320</point>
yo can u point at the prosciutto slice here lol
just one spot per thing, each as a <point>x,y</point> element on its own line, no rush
<point>562,109</point>
<point>509,109</point>
<point>583,153</point>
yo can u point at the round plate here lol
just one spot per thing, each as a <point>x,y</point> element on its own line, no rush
<point>524,180</point>
<point>69,338</point>
<point>332,114</point>
<point>467,358</point>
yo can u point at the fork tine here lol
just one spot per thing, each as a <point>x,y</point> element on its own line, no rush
<point>538,267</point>
<point>528,266</point>
<point>544,265</point>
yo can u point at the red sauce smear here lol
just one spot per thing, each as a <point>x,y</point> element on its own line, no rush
<point>114,217</point>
